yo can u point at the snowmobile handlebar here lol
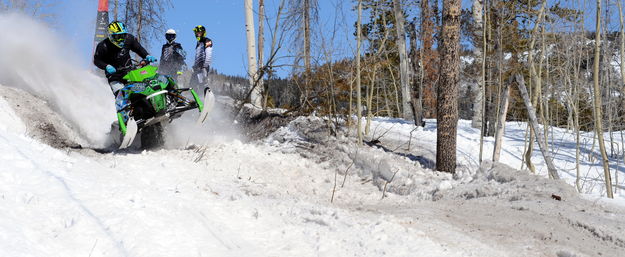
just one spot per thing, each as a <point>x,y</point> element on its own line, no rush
<point>135,65</point>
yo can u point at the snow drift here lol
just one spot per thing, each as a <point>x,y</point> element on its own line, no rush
<point>35,60</point>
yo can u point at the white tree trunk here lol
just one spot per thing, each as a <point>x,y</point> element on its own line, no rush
<point>553,173</point>
<point>403,61</point>
<point>358,91</point>
<point>255,96</point>
<point>478,14</point>
<point>501,122</point>
<point>261,47</point>
<point>597,105</point>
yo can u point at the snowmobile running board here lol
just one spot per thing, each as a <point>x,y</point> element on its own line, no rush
<point>207,107</point>
<point>129,131</point>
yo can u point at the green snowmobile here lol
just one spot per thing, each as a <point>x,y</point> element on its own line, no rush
<point>150,99</point>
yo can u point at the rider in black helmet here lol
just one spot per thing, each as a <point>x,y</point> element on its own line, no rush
<point>203,56</point>
<point>113,53</point>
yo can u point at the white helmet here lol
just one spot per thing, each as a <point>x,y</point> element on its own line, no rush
<point>170,35</point>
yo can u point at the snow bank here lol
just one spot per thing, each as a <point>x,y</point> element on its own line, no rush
<point>33,58</point>
<point>391,170</point>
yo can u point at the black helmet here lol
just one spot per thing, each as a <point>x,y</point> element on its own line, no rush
<point>202,30</point>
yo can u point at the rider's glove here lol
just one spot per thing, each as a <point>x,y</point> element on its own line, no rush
<point>150,58</point>
<point>110,69</point>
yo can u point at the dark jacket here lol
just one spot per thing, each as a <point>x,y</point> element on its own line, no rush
<point>172,58</point>
<point>106,53</point>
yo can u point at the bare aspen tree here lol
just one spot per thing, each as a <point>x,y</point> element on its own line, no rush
<point>551,168</point>
<point>501,120</point>
<point>358,91</point>
<point>478,14</point>
<point>537,88</point>
<point>482,95</point>
<point>146,18</point>
<point>597,104</point>
<point>403,60</point>
<point>622,66</point>
<point>622,52</point>
<point>261,46</point>
<point>307,56</point>
<point>255,98</point>
<point>447,92</point>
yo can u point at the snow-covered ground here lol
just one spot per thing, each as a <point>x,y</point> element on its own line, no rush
<point>231,198</point>
<point>301,191</point>
<point>562,146</point>
<point>228,199</point>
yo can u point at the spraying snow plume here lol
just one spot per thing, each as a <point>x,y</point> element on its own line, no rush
<point>34,59</point>
<point>218,129</point>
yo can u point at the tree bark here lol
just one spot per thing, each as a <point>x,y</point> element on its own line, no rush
<point>255,98</point>
<point>428,60</point>
<point>597,105</point>
<point>447,93</point>
<point>551,168</point>
<point>417,105</point>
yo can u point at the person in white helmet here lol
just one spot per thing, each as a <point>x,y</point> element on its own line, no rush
<point>172,56</point>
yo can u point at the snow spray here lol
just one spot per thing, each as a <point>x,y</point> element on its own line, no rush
<point>184,131</point>
<point>34,59</point>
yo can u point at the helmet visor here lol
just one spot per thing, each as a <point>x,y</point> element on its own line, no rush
<point>170,37</point>
<point>118,38</point>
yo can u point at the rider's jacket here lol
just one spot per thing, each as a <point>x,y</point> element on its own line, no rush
<point>107,53</point>
<point>203,54</point>
<point>172,59</point>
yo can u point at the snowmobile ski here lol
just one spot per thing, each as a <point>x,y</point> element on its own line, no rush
<point>207,107</point>
<point>129,134</point>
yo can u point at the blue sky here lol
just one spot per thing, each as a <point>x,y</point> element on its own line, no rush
<point>225,21</point>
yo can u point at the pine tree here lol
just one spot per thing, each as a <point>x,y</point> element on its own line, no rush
<point>447,93</point>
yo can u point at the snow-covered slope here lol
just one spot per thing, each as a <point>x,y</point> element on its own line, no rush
<point>272,197</point>
<point>230,199</point>
<point>35,59</point>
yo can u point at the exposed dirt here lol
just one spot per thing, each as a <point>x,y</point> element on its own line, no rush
<point>41,121</point>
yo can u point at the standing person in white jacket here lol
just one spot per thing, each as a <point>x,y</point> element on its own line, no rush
<point>203,57</point>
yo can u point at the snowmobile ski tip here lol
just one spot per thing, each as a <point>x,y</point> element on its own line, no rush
<point>209,103</point>
<point>131,132</point>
